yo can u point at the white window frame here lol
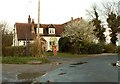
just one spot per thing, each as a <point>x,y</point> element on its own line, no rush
<point>51,30</point>
<point>40,30</point>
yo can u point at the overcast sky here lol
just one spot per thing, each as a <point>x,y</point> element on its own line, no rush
<point>51,11</point>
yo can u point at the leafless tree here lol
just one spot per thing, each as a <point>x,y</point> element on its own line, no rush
<point>110,6</point>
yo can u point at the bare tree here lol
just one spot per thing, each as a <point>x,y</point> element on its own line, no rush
<point>113,19</point>
<point>99,28</point>
<point>110,6</point>
<point>6,36</point>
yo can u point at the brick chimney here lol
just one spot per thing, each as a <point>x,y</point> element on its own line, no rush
<point>33,31</point>
<point>81,18</point>
<point>71,18</point>
<point>29,19</point>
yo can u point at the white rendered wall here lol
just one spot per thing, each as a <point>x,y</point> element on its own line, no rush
<point>47,38</point>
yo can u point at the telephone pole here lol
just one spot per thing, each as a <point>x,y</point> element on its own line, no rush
<point>38,15</point>
<point>38,33</point>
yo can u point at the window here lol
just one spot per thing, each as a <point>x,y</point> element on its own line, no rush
<point>51,30</point>
<point>52,43</point>
<point>40,30</point>
<point>24,43</point>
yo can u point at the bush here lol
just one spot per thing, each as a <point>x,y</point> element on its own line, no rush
<point>64,44</point>
<point>118,50</point>
<point>95,49</point>
<point>36,48</point>
<point>91,48</point>
<point>14,51</point>
<point>110,48</point>
<point>82,47</point>
<point>69,47</point>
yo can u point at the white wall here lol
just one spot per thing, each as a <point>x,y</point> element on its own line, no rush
<point>21,42</point>
<point>15,39</point>
<point>47,38</point>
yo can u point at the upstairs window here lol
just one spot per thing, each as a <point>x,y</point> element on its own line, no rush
<point>51,30</point>
<point>40,30</point>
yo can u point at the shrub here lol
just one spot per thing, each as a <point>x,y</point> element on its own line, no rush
<point>109,48</point>
<point>36,48</point>
<point>64,44</point>
<point>14,51</point>
<point>84,49</point>
<point>95,49</point>
<point>118,50</point>
<point>91,48</point>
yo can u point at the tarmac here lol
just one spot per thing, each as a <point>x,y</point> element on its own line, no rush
<point>62,70</point>
<point>100,68</point>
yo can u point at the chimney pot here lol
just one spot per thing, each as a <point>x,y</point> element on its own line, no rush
<point>29,19</point>
<point>71,18</point>
<point>33,31</point>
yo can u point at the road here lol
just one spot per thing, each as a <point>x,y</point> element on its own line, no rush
<point>88,69</point>
<point>91,69</point>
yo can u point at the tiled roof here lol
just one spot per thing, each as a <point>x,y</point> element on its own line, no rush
<point>75,20</point>
<point>59,29</point>
<point>24,30</point>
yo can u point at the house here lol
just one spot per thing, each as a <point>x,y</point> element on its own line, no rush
<point>26,32</point>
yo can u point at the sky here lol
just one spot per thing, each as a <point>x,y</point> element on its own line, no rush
<point>51,11</point>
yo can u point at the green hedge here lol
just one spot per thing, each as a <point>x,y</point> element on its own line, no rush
<point>91,48</point>
<point>118,50</point>
<point>64,44</point>
<point>14,51</point>
<point>95,49</point>
<point>82,47</point>
<point>109,48</point>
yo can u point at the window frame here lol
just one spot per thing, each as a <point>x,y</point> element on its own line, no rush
<point>51,30</point>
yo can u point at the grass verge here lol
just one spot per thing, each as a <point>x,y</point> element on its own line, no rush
<point>22,60</point>
<point>68,55</point>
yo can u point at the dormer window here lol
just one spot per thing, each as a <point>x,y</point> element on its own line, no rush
<point>40,30</point>
<point>51,30</point>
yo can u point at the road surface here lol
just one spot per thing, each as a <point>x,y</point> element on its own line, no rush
<point>91,69</point>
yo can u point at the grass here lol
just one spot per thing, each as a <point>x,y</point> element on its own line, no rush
<point>67,55</point>
<point>25,60</point>
<point>22,60</point>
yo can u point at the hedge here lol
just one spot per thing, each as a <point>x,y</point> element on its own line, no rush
<point>118,50</point>
<point>110,48</point>
<point>14,51</point>
<point>91,48</point>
